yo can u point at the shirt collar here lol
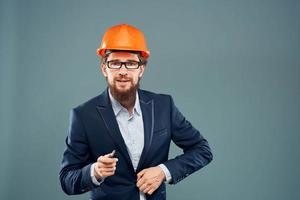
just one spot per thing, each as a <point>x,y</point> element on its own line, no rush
<point>117,107</point>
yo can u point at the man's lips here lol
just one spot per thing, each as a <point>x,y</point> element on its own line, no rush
<point>123,80</point>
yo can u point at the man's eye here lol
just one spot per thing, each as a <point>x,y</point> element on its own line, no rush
<point>131,63</point>
<point>115,63</point>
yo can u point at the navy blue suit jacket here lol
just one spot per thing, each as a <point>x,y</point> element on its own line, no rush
<point>94,131</point>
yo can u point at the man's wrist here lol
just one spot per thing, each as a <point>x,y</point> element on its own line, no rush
<point>97,176</point>
<point>162,174</point>
<point>95,180</point>
<point>167,173</point>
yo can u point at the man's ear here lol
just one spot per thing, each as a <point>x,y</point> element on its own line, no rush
<point>142,71</point>
<point>103,70</point>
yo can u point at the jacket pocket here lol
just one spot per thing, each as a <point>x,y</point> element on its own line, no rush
<point>160,132</point>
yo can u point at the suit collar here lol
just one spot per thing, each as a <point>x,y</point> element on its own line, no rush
<point>103,100</point>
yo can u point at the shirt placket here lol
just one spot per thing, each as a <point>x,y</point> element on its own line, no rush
<point>132,137</point>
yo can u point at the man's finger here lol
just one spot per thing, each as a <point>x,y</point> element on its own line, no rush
<point>111,155</point>
<point>151,191</point>
<point>107,174</point>
<point>147,189</point>
<point>140,182</point>
<point>109,169</point>
<point>100,164</point>
<point>107,160</point>
<point>143,187</point>
<point>152,188</point>
<point>140,174</point>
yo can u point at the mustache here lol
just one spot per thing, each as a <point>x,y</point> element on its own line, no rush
<point>122,79</point>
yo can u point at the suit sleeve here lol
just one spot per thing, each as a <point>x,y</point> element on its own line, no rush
<point>75,177</point>
<point>196,151</point>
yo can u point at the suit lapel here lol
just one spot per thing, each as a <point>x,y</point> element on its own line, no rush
<point>147,107</point>
<point>109,119</point>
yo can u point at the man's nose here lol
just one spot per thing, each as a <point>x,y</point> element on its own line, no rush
<point>123,69</point>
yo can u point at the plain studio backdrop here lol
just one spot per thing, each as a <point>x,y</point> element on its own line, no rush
<point>232,67</point>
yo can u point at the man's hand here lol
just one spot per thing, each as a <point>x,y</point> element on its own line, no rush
<point>148,180</point>
<point>105,166</point>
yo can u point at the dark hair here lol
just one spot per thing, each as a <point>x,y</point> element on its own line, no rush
<point>138,53</point>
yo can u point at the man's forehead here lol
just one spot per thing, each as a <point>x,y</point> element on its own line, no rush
<point>123,55</point>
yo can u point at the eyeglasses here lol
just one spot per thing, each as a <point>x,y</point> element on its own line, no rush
<point>115,64</point>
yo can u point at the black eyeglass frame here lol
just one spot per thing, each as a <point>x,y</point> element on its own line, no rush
<point>124,63</point>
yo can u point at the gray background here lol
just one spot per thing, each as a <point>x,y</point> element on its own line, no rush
<point>231,66</point>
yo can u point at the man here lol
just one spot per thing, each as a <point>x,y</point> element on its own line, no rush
<point>119,141</point>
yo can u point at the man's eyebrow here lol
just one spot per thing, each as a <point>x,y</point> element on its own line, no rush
<point>130,60</point>
<point>114,60</point>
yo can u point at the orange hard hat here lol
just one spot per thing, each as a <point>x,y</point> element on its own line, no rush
<point>124,37</point>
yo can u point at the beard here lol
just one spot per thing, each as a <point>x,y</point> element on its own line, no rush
<point>124,96</point>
